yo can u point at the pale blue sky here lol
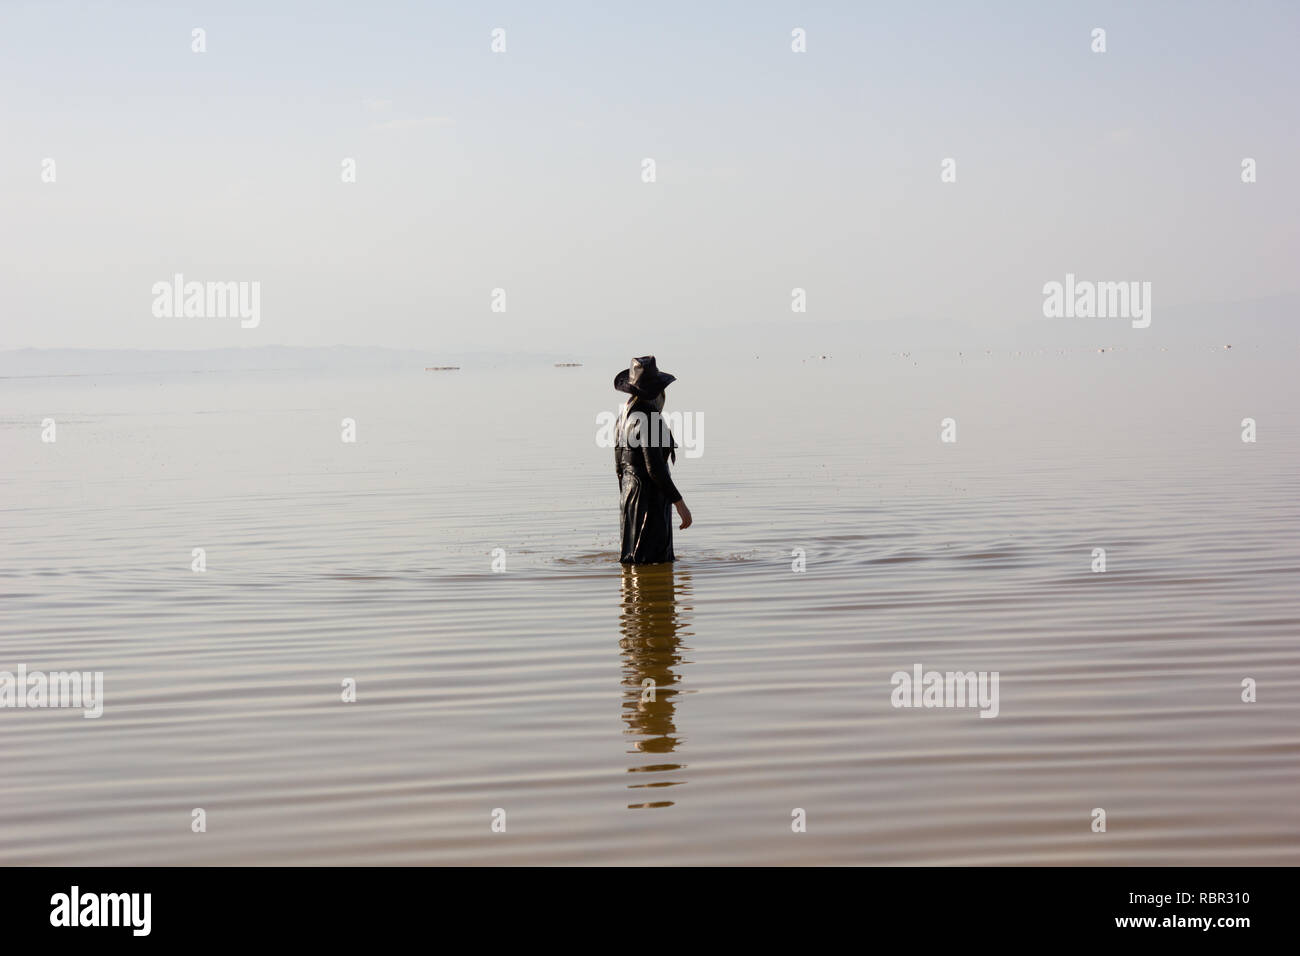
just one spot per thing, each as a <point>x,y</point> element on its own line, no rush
<point>522,170</point>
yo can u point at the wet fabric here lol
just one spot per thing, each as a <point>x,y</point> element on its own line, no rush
<point>642,450</point>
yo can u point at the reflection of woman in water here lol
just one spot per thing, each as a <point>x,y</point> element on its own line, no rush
<point>650,623</point>
<point>642,450</point>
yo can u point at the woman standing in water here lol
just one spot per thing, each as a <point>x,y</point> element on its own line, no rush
<point>642,450</point>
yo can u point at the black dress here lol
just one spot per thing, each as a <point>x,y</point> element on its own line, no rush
<point>642,451</point>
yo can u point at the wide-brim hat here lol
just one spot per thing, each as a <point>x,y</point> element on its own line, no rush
<point>643,378</point>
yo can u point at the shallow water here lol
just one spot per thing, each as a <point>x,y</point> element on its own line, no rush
<point>523,689</point>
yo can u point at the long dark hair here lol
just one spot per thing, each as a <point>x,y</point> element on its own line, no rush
<point>635,403</point>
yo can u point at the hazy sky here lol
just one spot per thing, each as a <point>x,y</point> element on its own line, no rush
<point>522,170</point>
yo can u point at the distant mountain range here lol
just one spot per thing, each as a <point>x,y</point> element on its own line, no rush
<point>47,362</point>
<point>1262,323</point>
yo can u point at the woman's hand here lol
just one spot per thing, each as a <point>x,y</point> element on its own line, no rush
<point>684,513</point>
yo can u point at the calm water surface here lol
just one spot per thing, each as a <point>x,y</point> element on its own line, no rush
<point>522,690</point>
